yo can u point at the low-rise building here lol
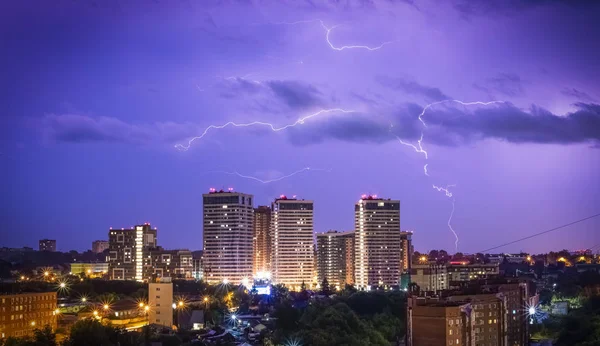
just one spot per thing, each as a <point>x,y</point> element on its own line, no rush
<point>430,277</point>
<point>97,269</point>
<point>21,314</point>
<point>433,323</point>
<point>461,271</point>
<point>160,302</point>
<point>168,263</point>
<point>489,317</point>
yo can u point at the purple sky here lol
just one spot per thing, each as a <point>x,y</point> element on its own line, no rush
<point>96,94</point>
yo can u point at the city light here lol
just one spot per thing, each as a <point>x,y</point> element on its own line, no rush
<point>146,308</point>
<point>62,285</point>
<point>141,305</point>
<point>174,306</point>
<point>180,303</point>
<point>83,299</point>
<point>46,273</point>
<point>32,323</point>
<point>531,310</point>
<point>225,281</point>
<point>105,306</point>
<point>95,313</point>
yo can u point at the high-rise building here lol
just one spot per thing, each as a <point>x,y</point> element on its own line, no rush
<point>160,263</point>
<point>21,314</point>
<point>261,240</point>
<point>377,242</point>
<point>48,245</point>
<point>335,258</point>
<point>160,302</point>
<point>292,249</point>
<point>228,227</point>
<point>127,250</point>
<point>98,246</point>
<point>407,251</point>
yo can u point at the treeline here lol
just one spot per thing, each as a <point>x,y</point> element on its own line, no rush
<point>351,318</point>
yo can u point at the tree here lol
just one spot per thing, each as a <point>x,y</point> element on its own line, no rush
<point>93,333</point>
<point>44,336</point>
<point>325,290</point>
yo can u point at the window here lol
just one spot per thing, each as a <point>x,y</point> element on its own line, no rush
<point>450,332</point>
<point>158,288</point>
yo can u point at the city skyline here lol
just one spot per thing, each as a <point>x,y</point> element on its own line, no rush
<point>105,101</point>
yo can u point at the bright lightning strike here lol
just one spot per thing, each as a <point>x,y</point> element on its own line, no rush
<point>450,226</point>
<point>456,101</point>
<point>328,32</point>
<point>273,128</point>
<point>305,169</point>
<point>445,189</point>
<point>418,149</point>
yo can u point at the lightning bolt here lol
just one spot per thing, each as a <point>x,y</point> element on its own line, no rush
<point>305,169</point>
<point>328,32</point>
<point>184,147</point>
<point>445,189</point>
<point>419,149</point>
<point>450,225</point>
<point>456,101</point>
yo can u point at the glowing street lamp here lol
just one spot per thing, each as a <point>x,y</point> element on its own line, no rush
<point>95,313</point>
<point>46,273</point>
<point>83,299</point>
<point>63,285</point>
<point>141,305</point>
<point>105,306</point>
<point>180,303</point>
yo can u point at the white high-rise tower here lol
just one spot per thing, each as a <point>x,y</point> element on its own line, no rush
<point>292,249</point>
<point>377,242</point>
<point>227,233</point>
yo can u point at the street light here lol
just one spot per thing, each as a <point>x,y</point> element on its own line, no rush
<point>141,305</point>
<point>63,285</point>
<point>46,273</point>
<point>106,306</point>
<point>180,303</point>
<point>83,299</point>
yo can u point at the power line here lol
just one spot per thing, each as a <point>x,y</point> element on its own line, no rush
<point>540,233</point>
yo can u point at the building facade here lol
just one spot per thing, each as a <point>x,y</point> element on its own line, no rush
<point>261,240</point>
<point>489,318</point>
<point>377,242</point>
<point>176,264</point>
<point>228,227</point>
<point>335,258</point>
<point>47,245</point>
<point>407,251</point>
<point>160,302</point>
<point>96,269</point>
<point>127,250</point>
<point>436,323</point>
<point>459,272</point>
<point>430,277</point>
<point>98,246</point>
<point>21,314</point>
<point>292,249</point>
